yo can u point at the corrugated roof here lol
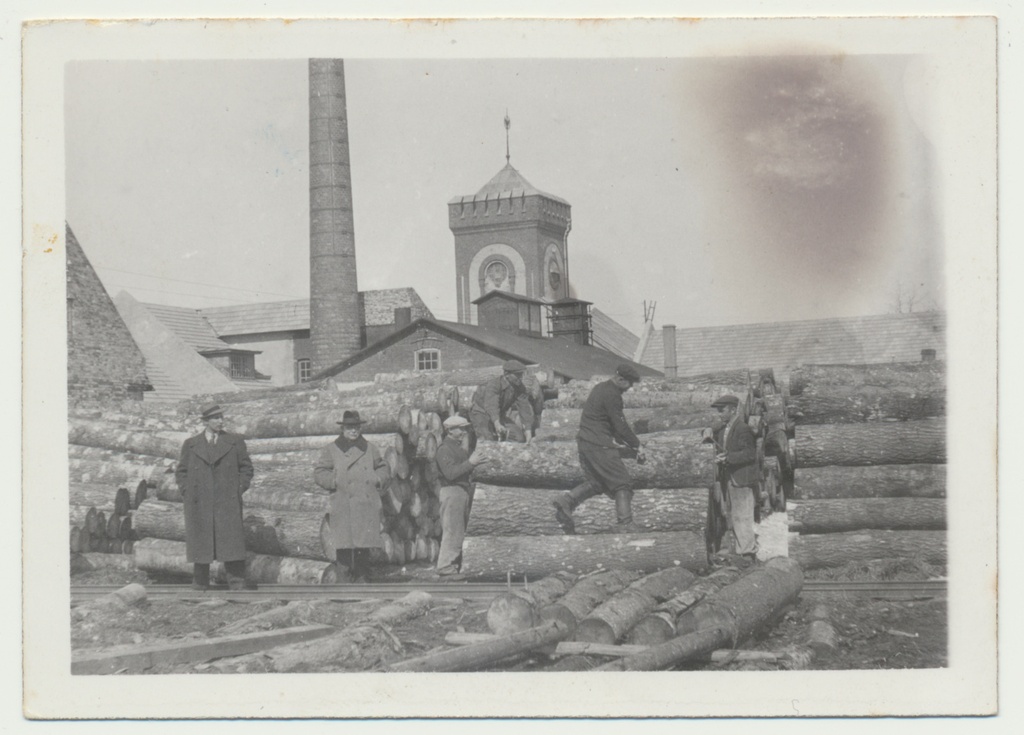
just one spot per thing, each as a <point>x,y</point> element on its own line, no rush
<point>567,358</point>
<point>846,340</point>
<point>611,335</point>
<point>293,316</point>
<point>508,182</point>
<point>190,325</point>
<point>273,316</point>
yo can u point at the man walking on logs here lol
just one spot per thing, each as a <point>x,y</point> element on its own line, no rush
<point>355,473</point>
<point>455,465</point>
<point>603,429</point>
<point>213,471</point>
<point>492,402</point>
<point>736,458</point>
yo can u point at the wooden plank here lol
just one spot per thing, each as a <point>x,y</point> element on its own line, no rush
<point>139,658</point>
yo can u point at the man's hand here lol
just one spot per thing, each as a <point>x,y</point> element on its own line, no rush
<point>721,458</point>
<point>476,460</point>
<point>502,432</point>
<point>641,456</point>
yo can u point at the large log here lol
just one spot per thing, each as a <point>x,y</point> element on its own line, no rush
<point>273,445</point>
<point>128,596</point>
<point>519,609</point>
<point>112,436</point>
<point>271,498</point>
<point>561,424</point>
<point>91,493</point>
<point>312,423</point>
<point>361,647</point>
<point>87,562</point>
<point>660,625</point>
<point>146,417</point>
<point>854,514</point>
<point>588,592</point>
<point>510,511</point>
<point>168,557</point>
<point>880,481</point>
<point>892,442</point>
<point>838,549</point>
<point>478,655</point>
<point>492,557</point>
<point>273,532</point>
<point>696,390</point>
<point>741,610</point>
<point>128,469</point>
<point>674,459</point>
<point>615,617</point>
<point>845,405</point>
<point>927,377</point>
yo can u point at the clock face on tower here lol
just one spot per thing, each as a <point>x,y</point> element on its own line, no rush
<point>554,275</point>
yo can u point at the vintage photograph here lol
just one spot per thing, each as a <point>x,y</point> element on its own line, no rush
<point>398,350</point>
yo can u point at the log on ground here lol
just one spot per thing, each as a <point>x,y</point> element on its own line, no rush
<point>661,624</point>
<point>361,646</point>
<point>105,435</point>
<point>128,469</point>
<point>831,550</point>
<point>519,609</point>
<point>512,511</point>
<point>846,405</point>
<point>586,594</point>
<point>563,423</point>
<point>272,532</point>
<point>880,481</point>
<point>162,556</point>
<point>674,459</point>
<point>889,442</point>
<point>741,610</point>
<point>493,557</point>
<point>274,445</point>
<point>855,514</point>
<point>485,653</point>
<point>615,617</point>
<point>697,390</point>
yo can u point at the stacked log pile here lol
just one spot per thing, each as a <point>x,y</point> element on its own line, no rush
<point>100,519</point>
<point>870,450</point>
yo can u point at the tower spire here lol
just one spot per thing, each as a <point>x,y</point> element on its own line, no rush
<point>508,124</point>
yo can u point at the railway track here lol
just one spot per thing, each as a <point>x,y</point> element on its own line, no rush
<point>894,590</point>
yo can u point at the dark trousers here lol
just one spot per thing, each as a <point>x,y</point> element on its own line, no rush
<point>356,561</point>
<point>605,474</point>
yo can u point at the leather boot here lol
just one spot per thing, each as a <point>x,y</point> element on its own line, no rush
<point>563,512</point>
<point>200,576</point>
<point>361,566</point>
<point>624,511</point>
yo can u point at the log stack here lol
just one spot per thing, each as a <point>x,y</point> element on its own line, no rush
<point>100,519</point>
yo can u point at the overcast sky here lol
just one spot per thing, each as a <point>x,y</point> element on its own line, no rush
<point>727,190</point>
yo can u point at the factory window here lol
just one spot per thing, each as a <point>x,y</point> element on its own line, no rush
<point>428,360</point>
<point>243,366</point>
<point>303,369</point>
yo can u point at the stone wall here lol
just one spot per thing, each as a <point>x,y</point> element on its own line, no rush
<point>104,363</point>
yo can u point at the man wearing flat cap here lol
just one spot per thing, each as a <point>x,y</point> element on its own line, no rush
<point>355,473</point>
<point>455,466</point>
<point>603,430</point>
<point>736,456</point>
<point>493,401</point>
<point>213,471</point>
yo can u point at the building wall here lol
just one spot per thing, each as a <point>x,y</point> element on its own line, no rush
<point>278,353</point>
<point>401,356</point>
<point>104,363</point>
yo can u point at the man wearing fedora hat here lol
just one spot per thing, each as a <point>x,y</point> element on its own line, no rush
<point>213,471</point>
<point>736,456</point>
<point>354,472</point>
<point>493,401</point>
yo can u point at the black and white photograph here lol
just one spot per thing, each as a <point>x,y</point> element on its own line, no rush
<point>510,352</point>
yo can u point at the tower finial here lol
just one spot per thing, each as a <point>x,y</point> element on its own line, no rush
<point>508,124</point>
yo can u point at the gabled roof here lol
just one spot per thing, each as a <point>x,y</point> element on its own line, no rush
<point>189,325</point>
<point>846,340</point>
<point>293,316</point>
<point>566,358</point>
<point>508,182</point>
<point>612,336</point>
<point>498,293</point>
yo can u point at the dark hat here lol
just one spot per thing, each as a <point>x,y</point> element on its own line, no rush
<point>726,400</point>
<point>628,372</point>
<point>351,418</point>
<point>514,366</point>
<point>211,410</point>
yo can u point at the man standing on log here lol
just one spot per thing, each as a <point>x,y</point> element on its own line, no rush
<point>213,471</point>
<point>353,471</point>
<point>603,430</point>
<point>455,466</point>
<point>736,456</point>
<point>492,402</point>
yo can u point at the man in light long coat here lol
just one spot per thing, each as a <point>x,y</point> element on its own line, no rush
<point>354,472</point>
<point>213,471</point>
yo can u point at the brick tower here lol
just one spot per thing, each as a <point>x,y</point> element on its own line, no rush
<point>335,322</point>
<point>509,236</point>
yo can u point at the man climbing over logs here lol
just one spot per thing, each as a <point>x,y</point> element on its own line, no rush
<point>353,471</point>
<point>736,458</point>
<point>603,431</point>
<point>492,402</point>
<point>213,471</point>
<point>455,465</point>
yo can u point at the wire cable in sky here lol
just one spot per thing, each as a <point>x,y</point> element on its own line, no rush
<point>196,283</point>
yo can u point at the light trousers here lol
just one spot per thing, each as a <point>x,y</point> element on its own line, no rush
<point>455,503</point>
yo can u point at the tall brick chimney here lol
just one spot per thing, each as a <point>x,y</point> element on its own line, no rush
<point>334,318</point>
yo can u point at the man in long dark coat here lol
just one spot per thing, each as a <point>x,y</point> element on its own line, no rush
<point>213,472</point>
